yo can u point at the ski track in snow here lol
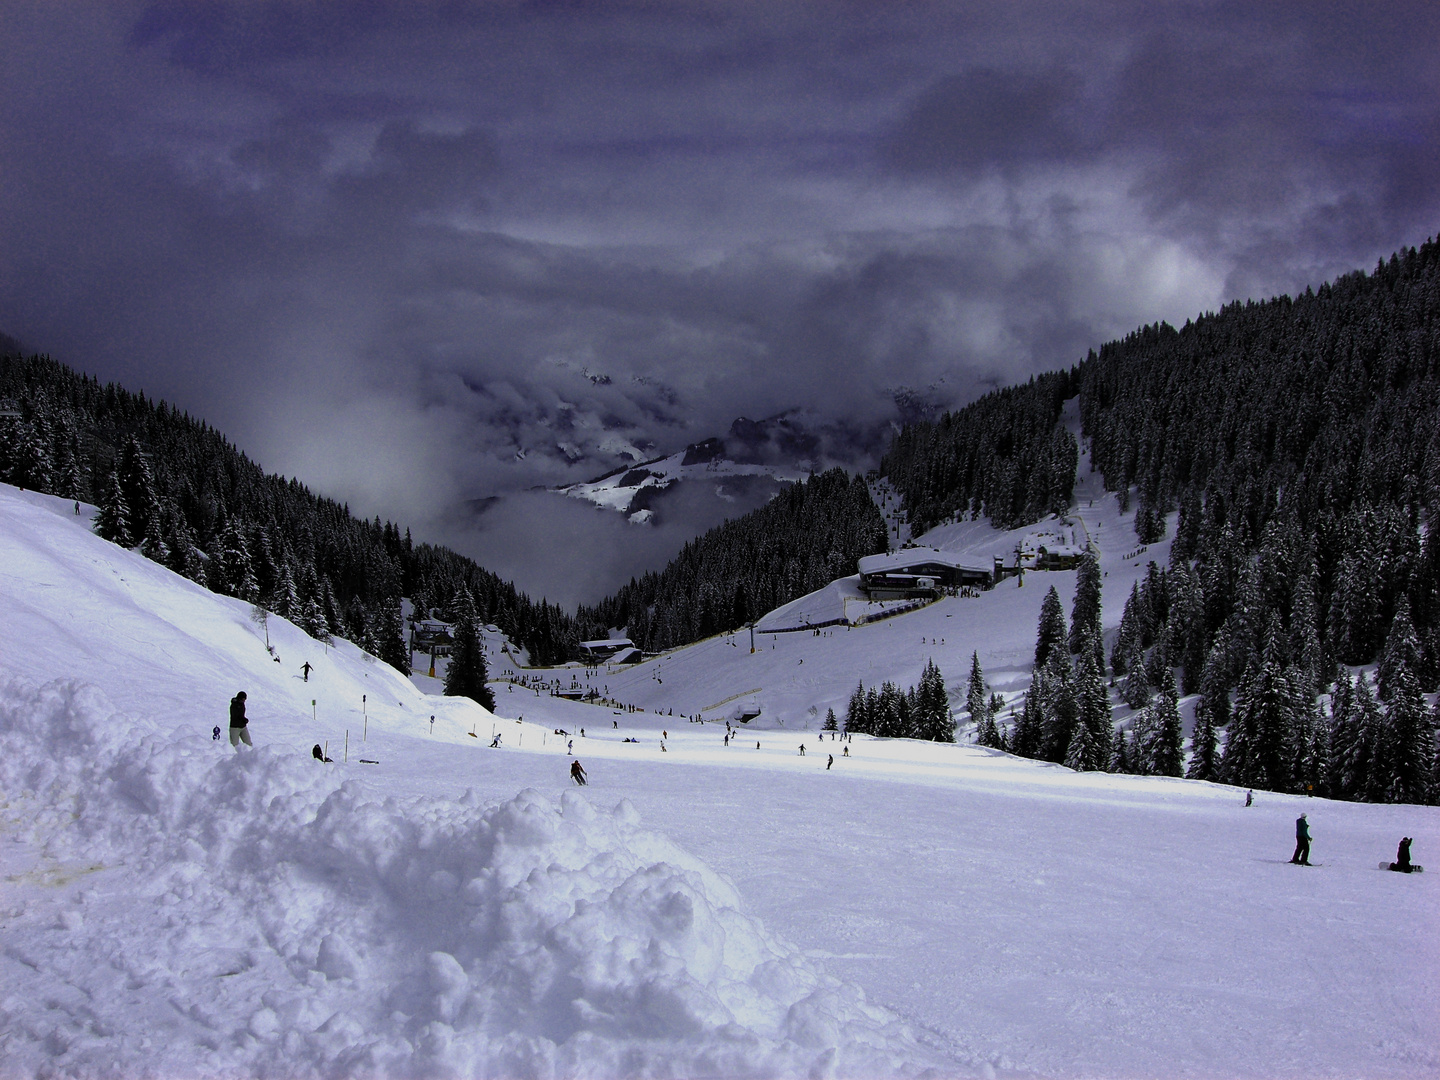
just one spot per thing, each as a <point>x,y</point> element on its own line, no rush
<point>172,907</point>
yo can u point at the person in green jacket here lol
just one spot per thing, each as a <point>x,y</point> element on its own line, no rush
<point>1302,842</point>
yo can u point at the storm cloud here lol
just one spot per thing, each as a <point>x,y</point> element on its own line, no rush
<point>422,254</point>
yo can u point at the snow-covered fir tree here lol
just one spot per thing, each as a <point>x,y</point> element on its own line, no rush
<point>466,675</point>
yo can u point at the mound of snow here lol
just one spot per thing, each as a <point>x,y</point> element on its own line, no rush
<point>249,914</point>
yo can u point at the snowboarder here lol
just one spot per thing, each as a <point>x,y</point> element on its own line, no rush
<point>577,773</point>
<point>318,754</point>
<point>1302,842</point>
<point>305,670</point>
<point>216,733</point>
<point>829,761</point>
<point>846,752</point>
<point>802,749</point>
<point>1402,857</point>
<point>1249,798</point>
<point>570,746</point>
<point>239,726</point>
<point>495,742</point>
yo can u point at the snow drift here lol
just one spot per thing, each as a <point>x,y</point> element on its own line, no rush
<point>294,925</point>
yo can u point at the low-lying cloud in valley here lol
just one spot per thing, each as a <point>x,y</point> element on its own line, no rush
<point>424,255</point>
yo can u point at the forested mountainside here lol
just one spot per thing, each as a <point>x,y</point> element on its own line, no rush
<point>175,487</point>
<point>1305,430</point>
<point>810,534</point>
<point>1300,440</point>
<point>1004,457</point>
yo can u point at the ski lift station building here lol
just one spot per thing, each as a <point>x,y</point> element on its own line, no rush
<point>920,571</point>
<point>610,651</point>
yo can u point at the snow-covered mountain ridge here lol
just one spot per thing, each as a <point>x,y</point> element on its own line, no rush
<point>633,491</point>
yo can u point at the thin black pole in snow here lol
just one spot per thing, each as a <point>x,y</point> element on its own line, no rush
<point>432,723</point>
<point>313,714</point>
<point>365,734</point>
<point>347,746</point>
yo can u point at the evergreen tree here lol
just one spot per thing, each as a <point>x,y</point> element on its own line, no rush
<point>1027,739</point>
<point>1119,753</point>
<point>113,521</point>
<point>856,719</point>
<point>1185,637</point>
<point>153,544</point>
<point>1305,628</point>
<point>1342,735</point>
<point>194,566</point>
<point>394,651</point>
<point>312,621</point>
<point>1127,641</point>
<point>1058,708</point>
<point>1408,742</point>
<point>831,723</point>
<point>976,692</point>
<point>466,675</point>
<point>1204,746</point>
<point>1261,751</point>
<point>30,464</point>
<point>1135,686</point>
<point>1085,612</point>
<point>1165,754</point>
<point>1080,754</point>
<point>1051,634</point>
<point>1092,705</point>
<point>138,483</point>
<point>932,707</point>
<point>1364,771</point>
<point>286,600</point>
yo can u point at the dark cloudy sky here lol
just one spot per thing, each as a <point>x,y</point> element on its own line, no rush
<point>421,253</point>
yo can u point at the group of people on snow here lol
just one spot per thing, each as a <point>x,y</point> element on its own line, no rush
<point>240,732</point>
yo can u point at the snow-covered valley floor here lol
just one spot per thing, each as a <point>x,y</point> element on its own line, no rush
<point>172,907</point>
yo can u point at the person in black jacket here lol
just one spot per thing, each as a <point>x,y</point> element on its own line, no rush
<point>239,726</point>
<point>1302,842</point>
<point>1402,857</point>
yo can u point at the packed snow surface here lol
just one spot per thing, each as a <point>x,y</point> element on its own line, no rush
<point>705,907</point>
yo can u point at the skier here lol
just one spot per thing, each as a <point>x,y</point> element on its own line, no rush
<point>1302,842</point>
<point>305,669</point>
<point>1402,857</point>
<point>1249,798</point>
<point>570,746</point>
<point>802,749</point>
<point>239,726</point>
<point>829,761</point>
<point>577,773</point>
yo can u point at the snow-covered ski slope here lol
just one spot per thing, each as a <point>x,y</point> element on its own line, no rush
<point>172,907</point>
